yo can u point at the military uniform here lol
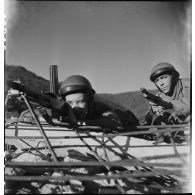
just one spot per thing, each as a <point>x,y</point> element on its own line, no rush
<point>99,114</point>
<point>106,117</point>
<point>178,95</point>
<point>180,100</point>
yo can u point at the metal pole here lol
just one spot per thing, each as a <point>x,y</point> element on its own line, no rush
<point>54,79</point>
<point>39,126</point>
<point>100,159</point>
<point>68,183</point>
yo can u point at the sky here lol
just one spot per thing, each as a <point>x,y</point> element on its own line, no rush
<point>114,44</point>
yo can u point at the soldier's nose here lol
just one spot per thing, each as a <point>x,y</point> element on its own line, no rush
<point>73,105</point>
<point>161,83</point>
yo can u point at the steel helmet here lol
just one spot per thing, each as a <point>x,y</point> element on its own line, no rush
<point>75,83</point>
<point>162,68</point>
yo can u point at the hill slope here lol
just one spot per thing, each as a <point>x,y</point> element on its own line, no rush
<point>28,78</point>
<point>133,101</point>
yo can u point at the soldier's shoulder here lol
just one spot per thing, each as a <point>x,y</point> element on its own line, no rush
<point>101,107</point>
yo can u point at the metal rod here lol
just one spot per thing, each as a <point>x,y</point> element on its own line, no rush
<point>116,182</point>
<point>39,126</point>
<point>85,178</point>
<point>45,137</point>
<point>16,130</point>
<point>54,79</point>
<point>106,146</point>
<point>119,134</point>
<point>162,156</point>
<point>100,159</point>
<point>31,147</point>
<point>126,129</point>
<point>148,168</point>
<point>175,150</point>
<point>98,146</point>
<point>125,154</point>
<point>127,162</point>
<point>49,137</point>
<point>127,145</point>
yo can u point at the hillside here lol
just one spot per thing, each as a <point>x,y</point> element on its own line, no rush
<point>133,101</point>
<point>28,78</point>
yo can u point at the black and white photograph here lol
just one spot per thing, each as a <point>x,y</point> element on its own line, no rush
<point>97,97</point>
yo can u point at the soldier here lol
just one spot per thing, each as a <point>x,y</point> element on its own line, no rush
<point>77,91</point>
<point>171,89</point>
<point>78,94</point>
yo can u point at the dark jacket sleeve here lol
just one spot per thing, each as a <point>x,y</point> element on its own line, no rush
<point>106,120</point>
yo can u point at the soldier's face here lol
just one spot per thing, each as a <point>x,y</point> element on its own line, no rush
<point>164,83</point>
<point>77,100</point>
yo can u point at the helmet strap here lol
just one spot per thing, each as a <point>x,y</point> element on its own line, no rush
<point>173,83</point>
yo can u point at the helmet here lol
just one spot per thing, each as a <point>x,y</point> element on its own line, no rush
<point>162,68</point>
<point>74,84</point>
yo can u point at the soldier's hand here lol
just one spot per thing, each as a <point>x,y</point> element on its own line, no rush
<point>145,95</point>
<point>13,93</point>
<point>156,108</point>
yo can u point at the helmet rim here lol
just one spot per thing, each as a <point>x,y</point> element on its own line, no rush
<point>161,71</point>
<point>74,84</point>
<point>64,91</point>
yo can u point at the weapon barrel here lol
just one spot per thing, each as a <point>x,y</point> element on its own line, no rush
<point>150,95</point>
<point>33,95</point>
<point>54,79</point>
<point>156,99</point>
<point>143,90</point>
<point>38,97</point>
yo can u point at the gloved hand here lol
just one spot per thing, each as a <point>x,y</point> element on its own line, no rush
<point>156,108</point>
<point>13,92</point>
<point>45,115</point>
